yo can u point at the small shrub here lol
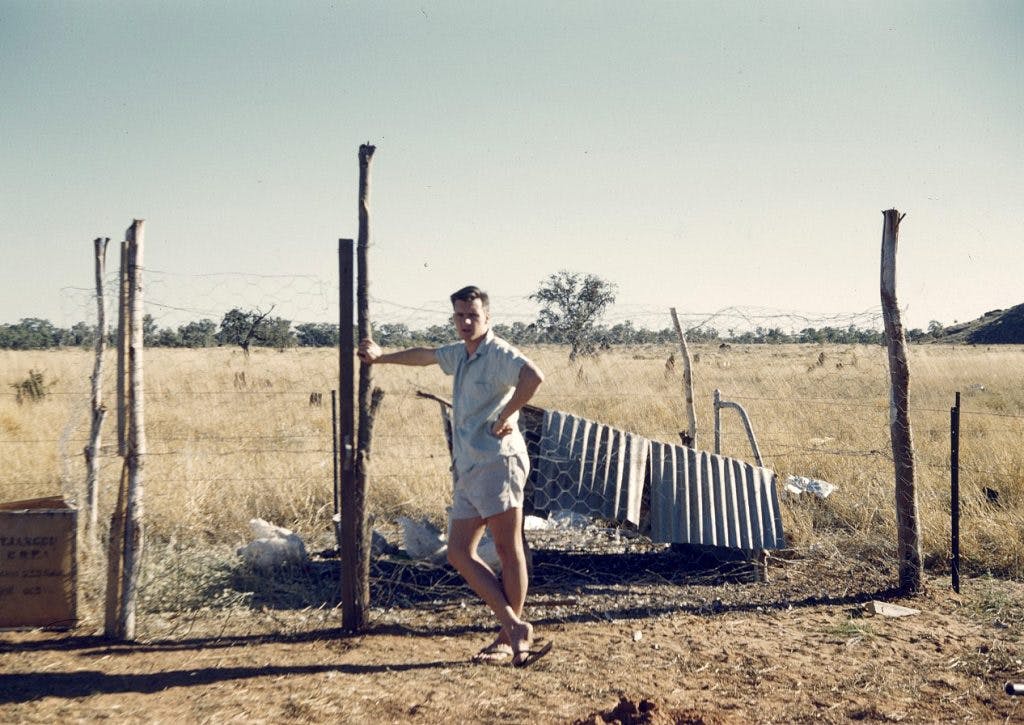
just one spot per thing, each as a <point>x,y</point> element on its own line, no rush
<point>33,388</point>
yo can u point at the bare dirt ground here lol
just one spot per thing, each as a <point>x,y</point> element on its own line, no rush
<point>639,637</point>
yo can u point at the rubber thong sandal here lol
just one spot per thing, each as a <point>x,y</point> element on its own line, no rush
<point>525,658</point>
<point>496,652</point>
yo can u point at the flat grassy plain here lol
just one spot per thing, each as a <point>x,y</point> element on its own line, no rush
<point>231,438</point>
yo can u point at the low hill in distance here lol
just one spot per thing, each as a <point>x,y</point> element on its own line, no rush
<point>993,328</point>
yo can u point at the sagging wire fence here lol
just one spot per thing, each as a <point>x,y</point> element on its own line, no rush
<point>220,456</point>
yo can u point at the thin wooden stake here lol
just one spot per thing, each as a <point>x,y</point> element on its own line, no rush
<point>691,414</point>
<point>954,493</point>
<point>92,451</point>
<point>346,414</point>
<point>123,332</point>
<point>116,536</point>
<point>911,571</point>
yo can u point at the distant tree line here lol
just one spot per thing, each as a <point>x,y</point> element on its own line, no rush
<point>247,329</point>
<point>572,305</point>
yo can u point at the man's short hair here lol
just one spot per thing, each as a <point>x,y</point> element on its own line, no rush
<point>468,294</point>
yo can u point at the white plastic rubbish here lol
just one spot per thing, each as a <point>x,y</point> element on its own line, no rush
<point>423,541</point>
<point>567,519</point>
<point>797,485</point>
<point>536,523</point>
<point>272,546</point>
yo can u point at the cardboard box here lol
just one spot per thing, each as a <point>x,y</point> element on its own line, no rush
<point>37,564</point>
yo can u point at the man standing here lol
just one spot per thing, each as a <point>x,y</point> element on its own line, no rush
<point>493,380</point>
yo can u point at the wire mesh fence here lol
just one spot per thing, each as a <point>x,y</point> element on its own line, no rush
<point>234,437</point>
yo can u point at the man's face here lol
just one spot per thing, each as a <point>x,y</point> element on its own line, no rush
<point>471,319</point>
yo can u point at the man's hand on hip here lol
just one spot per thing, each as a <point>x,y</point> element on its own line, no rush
<point>501,428</point>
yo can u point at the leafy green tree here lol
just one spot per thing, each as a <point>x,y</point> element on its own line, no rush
<point>317,334</point>
<point>572,306</point>
<point>277,333</point>
<point>81,334</point>
<point>246,328</point>
<point>243,328</point>
<point>149,331</point>
<point>198,334</point>
<point>167,338</point>
<point>30,333</point>
<point>394,334</point>
<point>436,335</point>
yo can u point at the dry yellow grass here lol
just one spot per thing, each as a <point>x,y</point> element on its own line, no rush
<point>222,451</point>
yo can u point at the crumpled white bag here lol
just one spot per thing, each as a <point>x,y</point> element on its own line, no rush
<point>272,546</point>
<point>423,541</point>
<point>797,485</point>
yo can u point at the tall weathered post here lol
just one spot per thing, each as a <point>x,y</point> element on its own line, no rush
<point>99,411</point>
<point>356,552</point>
<point>136,438</point>
<point>125,545</point>
<point>347,528</point>
<point>115,539</point>
<point>911,571</point>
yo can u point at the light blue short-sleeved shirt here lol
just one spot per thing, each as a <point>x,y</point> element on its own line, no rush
<point>483,385</point>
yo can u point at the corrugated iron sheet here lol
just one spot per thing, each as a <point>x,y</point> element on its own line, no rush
<point>590,468</point>
<point>702,498</point>
<point>695,497</point>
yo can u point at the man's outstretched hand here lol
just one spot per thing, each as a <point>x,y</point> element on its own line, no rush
<point>369,351</point>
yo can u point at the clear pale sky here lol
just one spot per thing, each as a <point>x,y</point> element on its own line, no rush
<point>701,155</point>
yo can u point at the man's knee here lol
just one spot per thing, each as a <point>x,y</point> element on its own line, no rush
<point>457,556</point>
<point>509,548</point>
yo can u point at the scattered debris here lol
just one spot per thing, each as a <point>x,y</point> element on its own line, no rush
<point>536,523</point>
<point>627,712</point>
<point>272,546</point>
<point>797,485</point>
<point>380,546</point>
<point>423,541</point>
<point>565,519</point>
<point>887,609</point>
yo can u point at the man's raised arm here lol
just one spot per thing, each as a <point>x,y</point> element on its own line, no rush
<point>530,378</point>
<point>370,353</point>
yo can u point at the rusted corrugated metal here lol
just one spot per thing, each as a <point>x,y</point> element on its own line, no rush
<point>702,498</point>
<point>695,497</point>
<point>590,468</point>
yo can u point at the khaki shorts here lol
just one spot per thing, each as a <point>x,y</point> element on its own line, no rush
<point>488,489</point>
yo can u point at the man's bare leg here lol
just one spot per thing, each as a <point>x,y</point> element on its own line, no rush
<point>505,597</point>
<point>507,531</point>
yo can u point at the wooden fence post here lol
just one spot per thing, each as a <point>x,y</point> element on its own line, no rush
<point>125,544</point>
<point>356,545</point>
<point>347,529</point>
<point>687,380</point>
<point>123,332</point>
<point>136,438</point>
<point>115,539</point>
<point>99,411</point>
<point>911,571</point>
<point>954,493</point>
